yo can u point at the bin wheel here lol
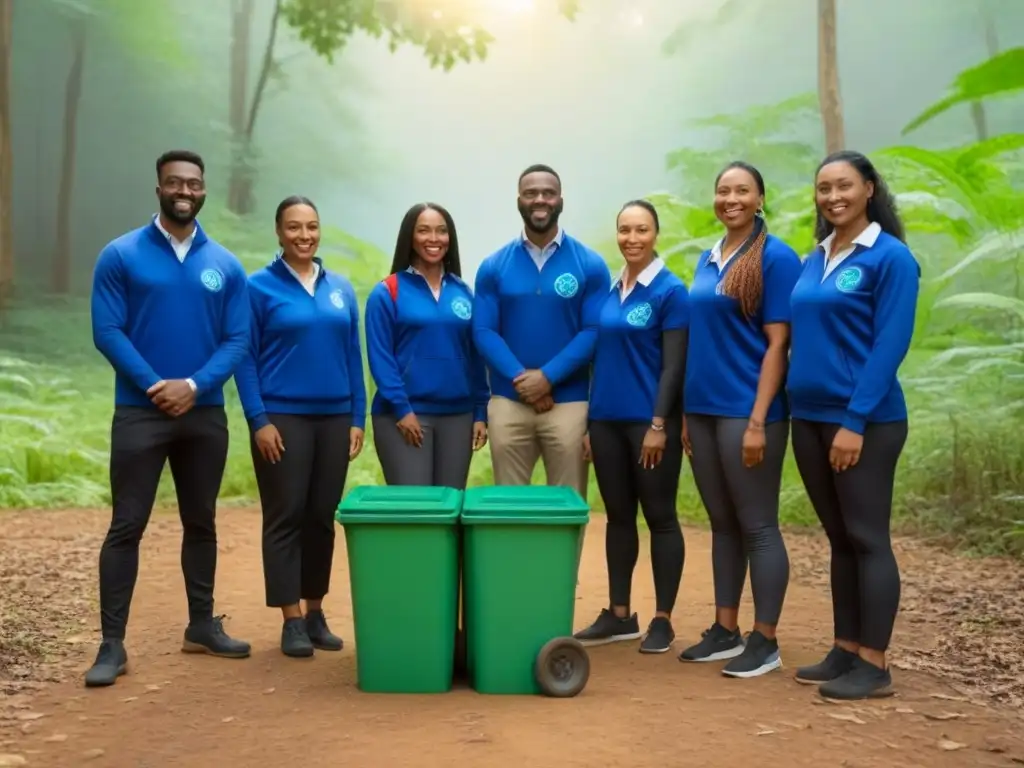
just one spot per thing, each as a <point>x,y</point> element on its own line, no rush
<point>562,668</point>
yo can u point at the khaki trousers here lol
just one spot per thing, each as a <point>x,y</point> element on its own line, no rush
<point>519,436</point>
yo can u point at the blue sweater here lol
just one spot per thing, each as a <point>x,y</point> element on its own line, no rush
<point>628,358</point>
<point>155,318</point>
<point>546,319</point>
<point>726,350</point>
<point>851,331</point>
<point>305,356</point>
<point>421,352</point>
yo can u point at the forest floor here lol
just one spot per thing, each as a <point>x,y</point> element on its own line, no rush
<point>958,667</point>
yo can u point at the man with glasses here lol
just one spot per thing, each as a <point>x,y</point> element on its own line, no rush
<point>535,323</point>
<point>170,312</point>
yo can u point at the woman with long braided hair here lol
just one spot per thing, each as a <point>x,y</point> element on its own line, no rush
<point>736,422</point>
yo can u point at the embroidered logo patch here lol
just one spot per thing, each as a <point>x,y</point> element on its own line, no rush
<point>566,285</point>
<point>639,315</point>
<point>337,299</point>
<point>462,309</point>
<point>848,279</point>
<point>212,280</point>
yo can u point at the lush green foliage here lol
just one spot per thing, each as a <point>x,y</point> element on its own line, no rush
<point>963,467</point>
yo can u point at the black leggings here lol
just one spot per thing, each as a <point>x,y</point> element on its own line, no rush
<point>855,507</point>
<point>624,485</point>
<point>743,506</point>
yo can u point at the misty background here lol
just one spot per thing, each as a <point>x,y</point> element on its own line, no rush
<point>627,98</point>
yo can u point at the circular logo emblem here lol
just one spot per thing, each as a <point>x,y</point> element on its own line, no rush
<point>566,285</point>
<point>639,315</point>
<point>462,309</point>
<point>212,280</point>
<point>337,299</point>
<point>848,279</point>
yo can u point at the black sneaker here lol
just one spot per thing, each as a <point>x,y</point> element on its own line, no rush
<point>716,644</point>
<point>609,628</point>
<point>320,635</point>
<point>760,656</point>
<point>863,681</point>
<point>295,641</point>
<point>837,663</point>
<point>111,662</point>
<point>209,637</point>
<point>659,636</point>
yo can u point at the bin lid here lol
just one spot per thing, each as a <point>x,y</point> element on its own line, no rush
<point>400,504</point>
<point>533,504</point>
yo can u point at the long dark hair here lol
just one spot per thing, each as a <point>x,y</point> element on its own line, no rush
<point>744,281</point>
<point>404,254</point>
<point>881,205</point>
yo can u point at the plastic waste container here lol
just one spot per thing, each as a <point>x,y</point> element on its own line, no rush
<point>403,555</point>
<point>522,547</point>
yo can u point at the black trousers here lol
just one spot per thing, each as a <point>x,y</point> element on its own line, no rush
<point>142,440</point>
<point>624,485</point>
<point>299,496</point>
<point>855,508</point>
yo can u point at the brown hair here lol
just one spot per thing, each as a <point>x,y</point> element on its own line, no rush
<point>745,279</point>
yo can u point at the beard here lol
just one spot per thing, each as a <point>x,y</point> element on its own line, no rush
<point>546,223</point>
<point>168,208</point>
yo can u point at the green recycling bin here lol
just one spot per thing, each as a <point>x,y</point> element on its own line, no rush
<point>403,556</point>
<point>521,555</point>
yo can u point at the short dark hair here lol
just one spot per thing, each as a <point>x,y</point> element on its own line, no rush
<point>540,168</point>
<point>289,202</point>
<point>647,205</point>
<point>404,255</point>
<point>179,156</point>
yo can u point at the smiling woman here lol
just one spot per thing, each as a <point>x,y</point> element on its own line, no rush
<point>430,408</point>
<point>306,411</point>
<point>853,318</point>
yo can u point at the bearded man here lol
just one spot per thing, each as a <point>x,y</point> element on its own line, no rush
<point>170,312</point>
<point>538,301</point>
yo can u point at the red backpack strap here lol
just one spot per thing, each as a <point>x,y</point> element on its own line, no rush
<point>391,281</point>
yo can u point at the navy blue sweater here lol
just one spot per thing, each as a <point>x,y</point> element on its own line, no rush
<point>305,356</point>
<point>851,331</point>
<point>155,318</point>
<point>546,319</point>
<point>420,349</point>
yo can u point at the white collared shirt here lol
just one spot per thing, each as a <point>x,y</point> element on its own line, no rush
<point>645,278</point>
<point>435,291</point>
<point>539,255</point>
<point>181,247</point>
<point>866,238</point>
<point>309,281</point>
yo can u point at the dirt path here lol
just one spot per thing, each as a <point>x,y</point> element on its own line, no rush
<point>175,709</point>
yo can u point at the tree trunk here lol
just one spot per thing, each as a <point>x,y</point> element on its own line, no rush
<point>60,278</point>
<point>6,155</point>
<point>241,191</point>
<point>828,78</point>
<point>239,187</point>
<point>992,48</point>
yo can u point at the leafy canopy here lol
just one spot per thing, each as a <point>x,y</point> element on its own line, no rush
<point>447,30</point>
